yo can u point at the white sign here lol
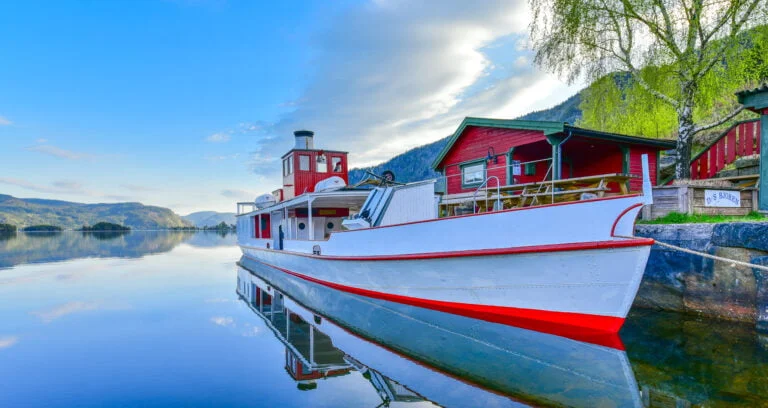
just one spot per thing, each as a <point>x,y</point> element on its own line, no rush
<point>722,198</point>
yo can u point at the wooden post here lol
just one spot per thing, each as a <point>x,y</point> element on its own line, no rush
<point>756,100</point>
<point>763,186</point>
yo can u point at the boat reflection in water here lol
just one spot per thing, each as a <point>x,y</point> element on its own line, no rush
<point>415,354</point>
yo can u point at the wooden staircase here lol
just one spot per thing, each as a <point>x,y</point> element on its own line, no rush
<point>741,139</point>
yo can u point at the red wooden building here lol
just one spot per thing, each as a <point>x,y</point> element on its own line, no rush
<point>521,151</point>
<point>304,166</point>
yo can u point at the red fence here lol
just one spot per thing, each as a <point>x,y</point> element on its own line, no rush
<point>742,139</point>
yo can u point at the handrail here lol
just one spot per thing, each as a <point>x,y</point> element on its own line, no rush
<point>498,194</point>
<point>722,135</point>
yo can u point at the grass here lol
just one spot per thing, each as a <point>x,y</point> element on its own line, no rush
<point>678,218</point>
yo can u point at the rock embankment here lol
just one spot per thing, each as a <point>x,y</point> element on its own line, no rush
<point>688,283</point>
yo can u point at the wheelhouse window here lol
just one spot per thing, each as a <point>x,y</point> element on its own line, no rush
<point>336,164</point>
<point>322,164</point>
<point>303,162</point>
<point>288,166</point>
<point>473,174</point>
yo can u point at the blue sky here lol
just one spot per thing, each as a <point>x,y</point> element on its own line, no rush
<point>188,104</point>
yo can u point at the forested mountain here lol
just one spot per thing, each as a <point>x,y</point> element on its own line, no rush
<point>68,215</point>
<point>209,218</point>
<point>416,164</point>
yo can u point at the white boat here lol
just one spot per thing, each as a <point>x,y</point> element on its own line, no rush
<point>566,268</point>
<point>447,359</point>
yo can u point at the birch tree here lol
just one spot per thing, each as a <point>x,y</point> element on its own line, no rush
<point>685,40</point>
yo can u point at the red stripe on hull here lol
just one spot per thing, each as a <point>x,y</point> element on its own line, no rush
<point>576,246</point>
<point>595,329</point>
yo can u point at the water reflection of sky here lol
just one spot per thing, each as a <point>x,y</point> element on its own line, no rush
<point>153,320</point>
<point>165,329</point>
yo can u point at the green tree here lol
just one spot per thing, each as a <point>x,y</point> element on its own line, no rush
<point>673,53</point>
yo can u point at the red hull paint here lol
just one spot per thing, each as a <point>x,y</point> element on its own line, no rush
<point>577,246</point>
<point>595,329</point>
<point>623,213</point>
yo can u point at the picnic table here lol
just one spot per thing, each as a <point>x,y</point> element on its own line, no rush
<point>543,192</point>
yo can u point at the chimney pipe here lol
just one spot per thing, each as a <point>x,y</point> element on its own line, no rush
<point>304,139</point>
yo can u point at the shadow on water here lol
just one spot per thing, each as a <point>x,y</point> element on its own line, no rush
<point>40,247</point>
<point>408,353</point>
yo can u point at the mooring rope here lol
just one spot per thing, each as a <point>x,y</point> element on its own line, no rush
<point>706,255</point>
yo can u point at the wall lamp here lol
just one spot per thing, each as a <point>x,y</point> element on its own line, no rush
<point>492,156</point>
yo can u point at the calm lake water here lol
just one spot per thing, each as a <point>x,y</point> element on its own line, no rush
<point>176,319</point>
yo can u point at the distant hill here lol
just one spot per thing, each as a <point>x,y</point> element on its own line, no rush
<point>209,218</point>
<point>69,215</point>
<point>416,164</point>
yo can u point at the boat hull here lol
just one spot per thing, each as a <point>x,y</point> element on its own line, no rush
<point>573,293</point>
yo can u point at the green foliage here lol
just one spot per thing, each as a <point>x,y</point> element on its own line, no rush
<point>105,226</point>
<point>42,228</point>
<point>678,218</point>
<point>617,103</point>
<point>7,228</point>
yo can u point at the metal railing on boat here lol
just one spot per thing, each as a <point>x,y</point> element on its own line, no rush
<point>498,194</point>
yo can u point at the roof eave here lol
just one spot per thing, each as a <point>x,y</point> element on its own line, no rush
<point>547,127</point>
<point>665,144</point>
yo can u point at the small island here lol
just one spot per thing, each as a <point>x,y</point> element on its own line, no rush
<point>42,228</point>
<point>104,226</point>
<point>7,228</point>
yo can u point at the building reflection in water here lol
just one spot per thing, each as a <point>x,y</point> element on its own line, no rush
<point>410,354</point>
<point>309,353</point>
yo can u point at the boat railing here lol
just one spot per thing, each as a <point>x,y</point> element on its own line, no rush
<point>498,194</point>
<point>245,207</point>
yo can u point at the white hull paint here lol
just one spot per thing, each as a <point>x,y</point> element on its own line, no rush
<point>555,259</point>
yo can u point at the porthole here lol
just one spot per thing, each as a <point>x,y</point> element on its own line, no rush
<point>302,226</point>
<point>330,225</point>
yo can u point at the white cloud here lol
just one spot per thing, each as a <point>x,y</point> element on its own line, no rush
<point>237,194</point>
<point>8,341</point>
<point>222,157</point>
<point>57,187</point>
<point>136,187</point>
<point>219,137</point>
<point>4,121</point>
<point>68,187</point>
<point>521,62</point>
<point>393,75</point>
<point>58,152</point>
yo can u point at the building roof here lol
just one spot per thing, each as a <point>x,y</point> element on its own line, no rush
<point>548,128</point>
<point>754,99</point>
<point>747,92</point>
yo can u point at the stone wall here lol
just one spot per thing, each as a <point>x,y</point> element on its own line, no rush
<point>688,283</point>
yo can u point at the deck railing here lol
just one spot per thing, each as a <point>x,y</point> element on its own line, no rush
<point>741,139</point>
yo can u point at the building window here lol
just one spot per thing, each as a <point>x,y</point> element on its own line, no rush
<point>303,162</point>
<point>322,164</point>
<point>530,169</point>
<point>473,173</point>
<point>336,162</point>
